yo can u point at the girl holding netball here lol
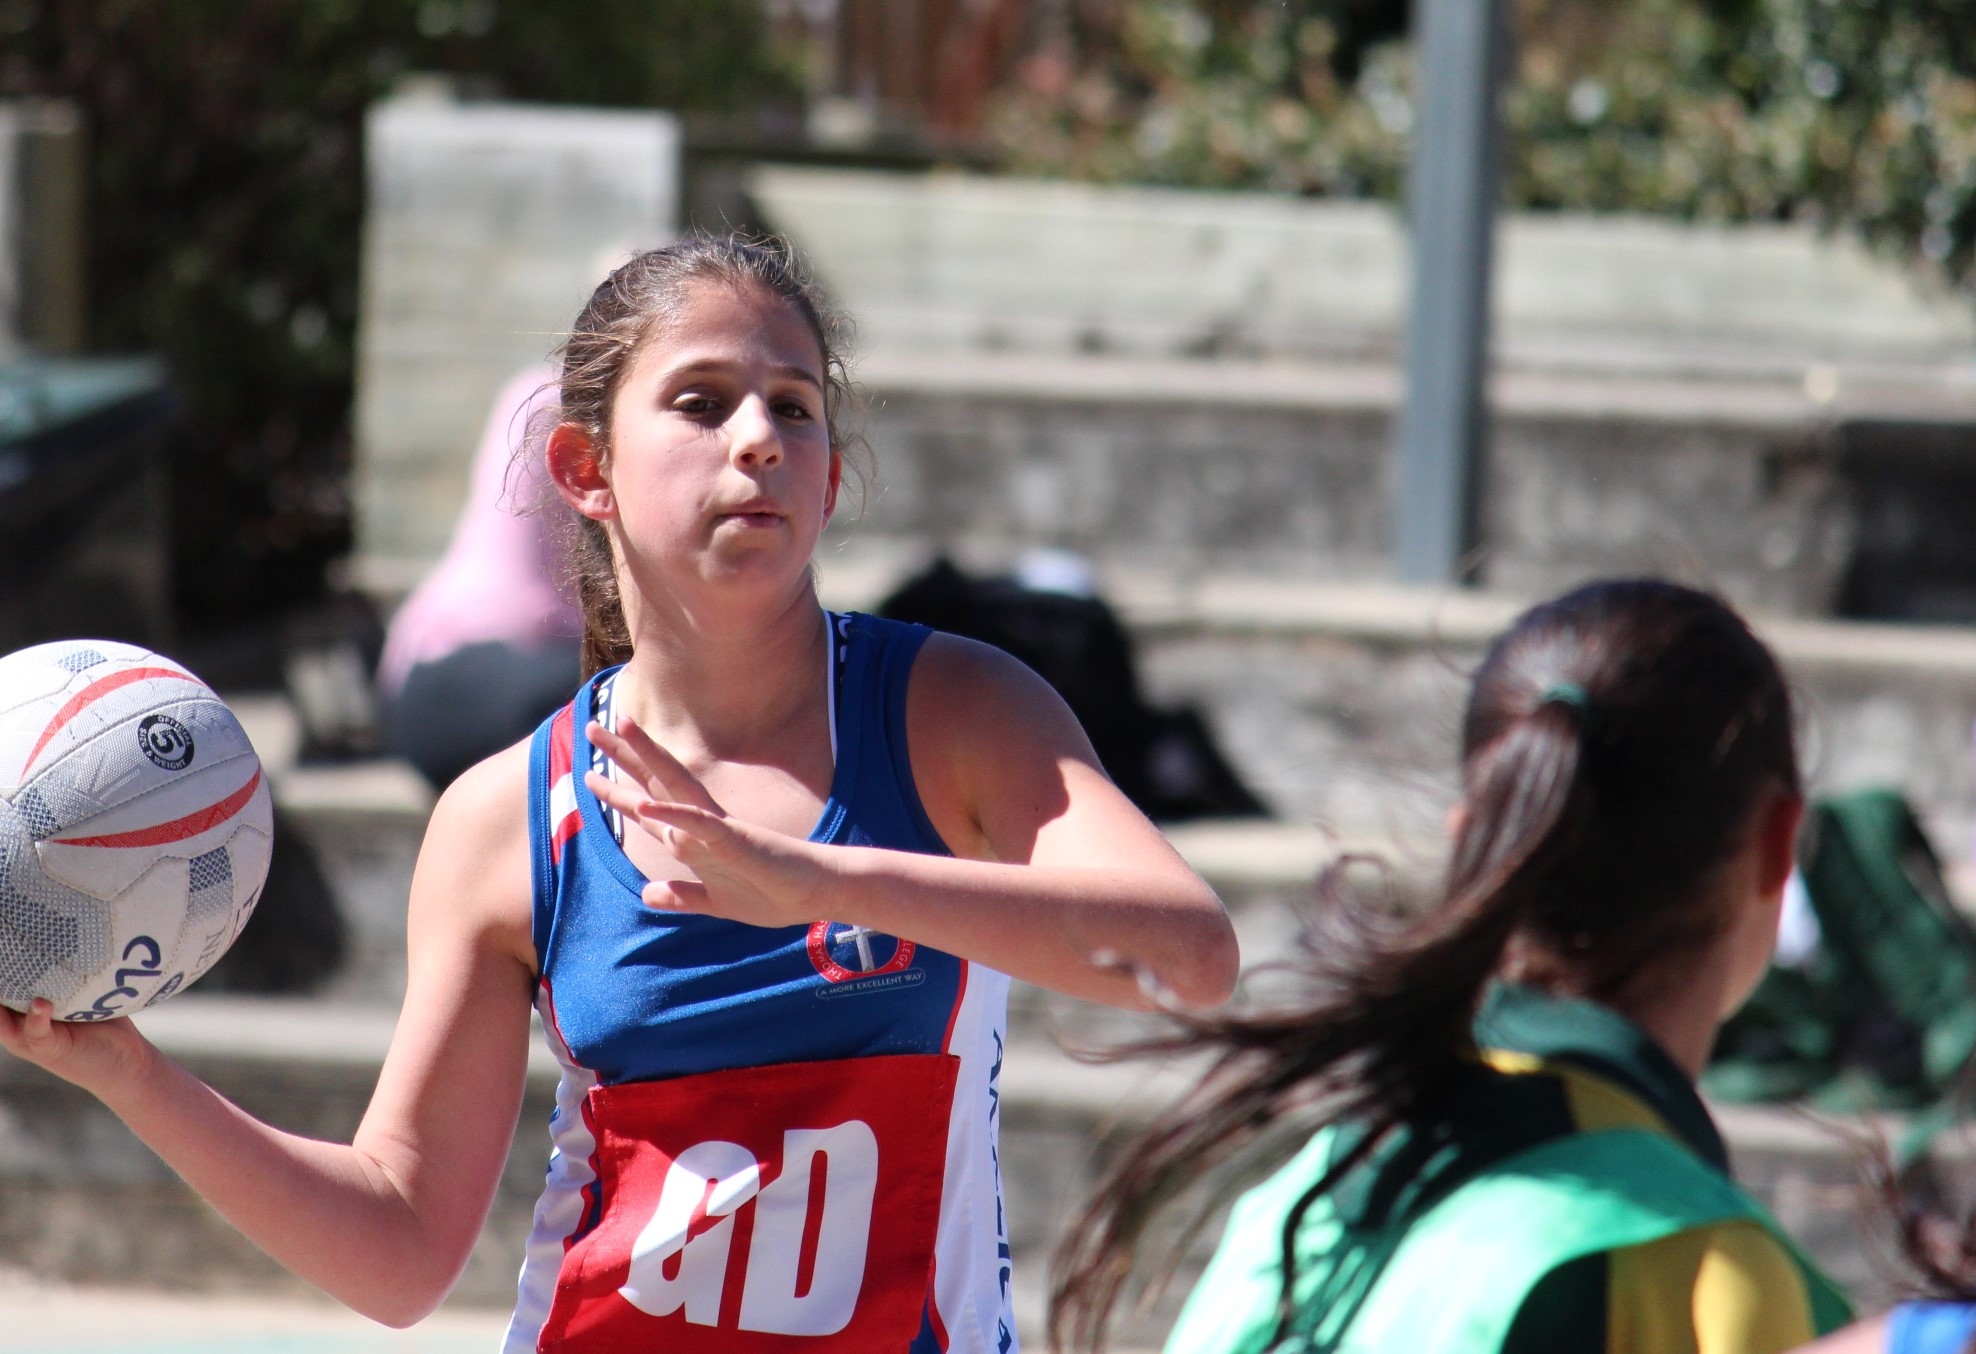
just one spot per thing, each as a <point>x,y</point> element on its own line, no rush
<point>765,880</point>
<point>1509,1153</point>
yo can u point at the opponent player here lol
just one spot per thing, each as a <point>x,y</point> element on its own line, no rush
<point>1516,1158</point>
<point>763,881</point>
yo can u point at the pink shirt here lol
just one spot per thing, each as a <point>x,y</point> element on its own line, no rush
<point>499,580</point>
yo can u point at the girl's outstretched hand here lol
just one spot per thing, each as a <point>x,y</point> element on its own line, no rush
<point>745,873</point>
<point>98,1056</point>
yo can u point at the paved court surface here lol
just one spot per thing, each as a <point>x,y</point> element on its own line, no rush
<point>41,1318</point>
<point>37,1318</point>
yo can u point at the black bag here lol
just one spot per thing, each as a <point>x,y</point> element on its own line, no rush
<point>1165,761</point>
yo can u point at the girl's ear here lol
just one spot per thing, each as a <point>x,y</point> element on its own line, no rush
<point>836,483</point>
<point>1777,842</point>
<point>578,472</point>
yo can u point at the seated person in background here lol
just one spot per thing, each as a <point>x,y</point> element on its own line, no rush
<point>1510,1152</point>
<point>489,642</point>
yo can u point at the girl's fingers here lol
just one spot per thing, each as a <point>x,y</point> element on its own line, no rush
<point>624,754</point>
<point>626,799</point>
<point>691,817</point>
<point>635,803</point>
<point>30,1033</point>
<point>679,824</point>
<point>40,1020</point>
<point>654,764</point>
<point>676,895</point>
<point>667,822</point>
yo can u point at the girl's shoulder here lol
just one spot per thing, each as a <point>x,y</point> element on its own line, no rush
<point>963,690</point>
<point>985,732</point>
<point>474,864</point>
<point>489,801</point>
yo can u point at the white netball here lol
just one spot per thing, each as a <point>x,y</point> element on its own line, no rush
<point>135,828</point>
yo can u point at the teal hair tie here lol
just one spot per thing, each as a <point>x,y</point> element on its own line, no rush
<point>1568,693</point>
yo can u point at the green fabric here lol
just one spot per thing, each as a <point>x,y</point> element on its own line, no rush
<point>1577,1196</point>
<point>1884,1013</point>
<point>1542,1208</point>
<point>1487,1118</point>
<point>1599,1040</point>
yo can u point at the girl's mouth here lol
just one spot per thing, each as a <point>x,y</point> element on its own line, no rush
<point>760,519</point>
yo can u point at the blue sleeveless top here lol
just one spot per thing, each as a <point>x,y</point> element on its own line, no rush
<point>630,995</point>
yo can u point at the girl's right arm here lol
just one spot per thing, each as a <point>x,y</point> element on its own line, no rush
<point>385,1223</point>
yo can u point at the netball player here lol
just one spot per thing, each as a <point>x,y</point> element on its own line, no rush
<point>765,880</point>
<point>1511,1154</point>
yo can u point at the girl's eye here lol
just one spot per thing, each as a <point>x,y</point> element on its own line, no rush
<point>695,404</point>
<point>794,410</point>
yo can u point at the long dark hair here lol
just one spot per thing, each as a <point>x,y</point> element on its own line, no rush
<point>1617,744</point>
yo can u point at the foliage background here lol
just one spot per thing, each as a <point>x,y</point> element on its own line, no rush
<point>227,178</point>
<point>1855,114</point>
<point>226,208</point>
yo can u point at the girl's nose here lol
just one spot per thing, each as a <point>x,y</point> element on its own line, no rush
<point>753,438</point>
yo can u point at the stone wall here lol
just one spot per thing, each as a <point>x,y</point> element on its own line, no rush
<point>957,262</point>
<point>487,227</point>
<point>1284,471</point>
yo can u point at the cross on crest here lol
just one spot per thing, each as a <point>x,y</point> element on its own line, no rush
<point>828,939</point>
<point>861,937</point>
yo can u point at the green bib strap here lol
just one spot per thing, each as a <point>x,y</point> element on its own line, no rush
<point>1554,1203</point>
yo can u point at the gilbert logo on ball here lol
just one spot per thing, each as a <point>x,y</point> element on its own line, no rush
<point>135,828</point>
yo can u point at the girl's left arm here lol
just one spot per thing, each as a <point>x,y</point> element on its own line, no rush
<point>1055,879</point>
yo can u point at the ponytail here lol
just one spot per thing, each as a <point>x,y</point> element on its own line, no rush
<point>606,636</point>
<point>1385,1024</point>
<point>1586,708</point>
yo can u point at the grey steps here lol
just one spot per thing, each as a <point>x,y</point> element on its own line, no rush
<point>959,263</point>
<point>1284,469</point>
<point>366,821</point>
<point>1340,703</point>
<point>1343,704</point>
<point>82,1201</point>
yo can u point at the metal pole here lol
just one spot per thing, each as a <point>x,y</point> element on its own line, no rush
<point>1452,189</point>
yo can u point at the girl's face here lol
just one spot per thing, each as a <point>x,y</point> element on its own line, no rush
<point>720,469</point>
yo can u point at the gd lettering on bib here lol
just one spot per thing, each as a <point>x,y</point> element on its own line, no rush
<point>792,1207</point>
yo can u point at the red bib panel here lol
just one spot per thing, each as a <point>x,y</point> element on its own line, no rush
<point>787,1208</point>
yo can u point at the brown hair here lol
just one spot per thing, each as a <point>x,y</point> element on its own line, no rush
<point>1616,746</point>
<point>638,300</point>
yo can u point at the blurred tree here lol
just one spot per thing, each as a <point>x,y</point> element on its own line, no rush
<point>1850,113</point>
<point>226,204</point>
<point>1304,95</point>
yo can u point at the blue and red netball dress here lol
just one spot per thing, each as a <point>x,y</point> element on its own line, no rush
<point>765,1138</point>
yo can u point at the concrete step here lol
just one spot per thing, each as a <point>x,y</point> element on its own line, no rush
<point>41,1316</point>
<point>1788,498</point>
<point>957,263</point>
<point>81,1201</point>
<point>1207,380</point>
<point>1285,469</point>
<point>1340,703</point>
<point>365,822</point>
